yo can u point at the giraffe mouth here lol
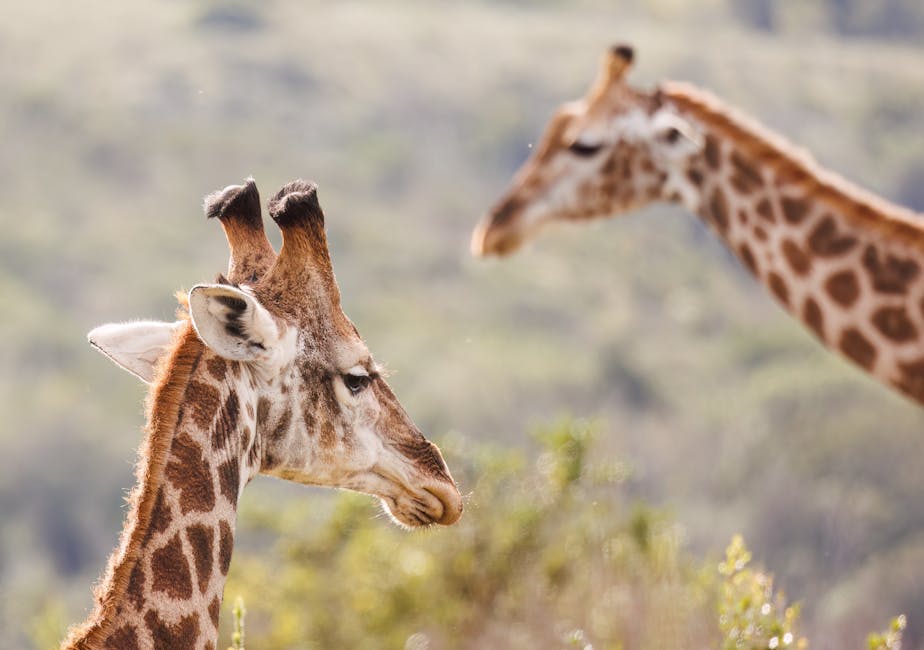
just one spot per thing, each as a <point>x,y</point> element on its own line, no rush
<point>422,506</point>
<point>490,239</point>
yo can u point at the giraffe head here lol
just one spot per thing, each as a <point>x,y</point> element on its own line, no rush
<point>322,411</point>
<point>614,150</point>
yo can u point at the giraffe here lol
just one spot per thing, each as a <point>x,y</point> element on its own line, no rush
<point>845,262</point>
<point>269,377</point>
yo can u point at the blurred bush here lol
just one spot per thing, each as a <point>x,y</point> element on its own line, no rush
<point>548,551</point>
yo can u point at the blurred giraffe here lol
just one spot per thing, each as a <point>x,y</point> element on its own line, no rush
<point>844,261</point>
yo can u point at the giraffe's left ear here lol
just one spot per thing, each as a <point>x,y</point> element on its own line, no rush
<point>233,323</point>
<point>135,346</point>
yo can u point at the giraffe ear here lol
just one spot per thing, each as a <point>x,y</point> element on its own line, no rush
<point>135,346</point>
<point>233,323</point>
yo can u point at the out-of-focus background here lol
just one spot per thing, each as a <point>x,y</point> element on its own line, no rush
<point>617,401</point>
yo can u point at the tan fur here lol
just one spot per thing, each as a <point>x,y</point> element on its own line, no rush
<point>163,405</point>
<point>797,166</point>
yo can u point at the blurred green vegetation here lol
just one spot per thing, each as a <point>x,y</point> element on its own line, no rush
<point>550,554</point>
<point>412,116</point>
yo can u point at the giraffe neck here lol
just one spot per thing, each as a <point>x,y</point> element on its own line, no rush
<point>164,584</point>
<point>846,263</point>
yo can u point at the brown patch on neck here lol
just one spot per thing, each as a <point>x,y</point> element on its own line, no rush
<point>163,411</point>
<point>768,151</point>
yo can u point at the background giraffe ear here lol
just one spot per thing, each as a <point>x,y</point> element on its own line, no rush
<point>233,323</point>
<point>135,346</point>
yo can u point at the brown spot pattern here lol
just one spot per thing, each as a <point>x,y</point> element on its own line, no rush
<point>225,546</point>
<point>794,210</point>
<point>215,610</point>
<point>760,233</point>
<point>695,176</point>
<point>826,241</point>
<point>200,540</point>
<point>203,402</point>
<point>912,381</point>
<point>160,515</point>
<point>180,636</point>
<point>226,422</point>
<point>711,152</point>
<point>765,210</point>
<point>745,177</point>
<point>857,347</point>
<point>263,409</point>
<point>778,287</point>
<point>718,209</point>
<point>843,287</point>
<point>190,474</point>
<point>894,324</point>
<point>282,425</point>
<point>217,367</point>
<point>124,638</point>
<point>889,274</point>
<point>748,258</point>
<point>328,435</point>
<point>135,591</point>
<point>229,477</point>
<point>797,259</point>
<point>170,570</point>
<point>811,312</point>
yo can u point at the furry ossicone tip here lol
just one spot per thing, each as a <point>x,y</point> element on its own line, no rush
<point>623,51</point>
<point>241,202</point>
<point>295,203</point>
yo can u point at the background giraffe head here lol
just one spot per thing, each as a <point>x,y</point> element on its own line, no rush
<point>614,150</point>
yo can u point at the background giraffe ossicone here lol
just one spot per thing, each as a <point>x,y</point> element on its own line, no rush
<point>844,261</point>
<point>269,377</point>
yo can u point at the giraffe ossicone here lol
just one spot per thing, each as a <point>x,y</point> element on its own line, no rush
<point>847,263</point>
<point>267,377</point>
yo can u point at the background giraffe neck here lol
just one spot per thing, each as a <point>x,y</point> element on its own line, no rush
<point>848,264</point>
<point>163,587</point>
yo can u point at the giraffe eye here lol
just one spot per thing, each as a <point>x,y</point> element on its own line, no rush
<point>671,135</point>
<point>583,149</point>
<point>356,383</point>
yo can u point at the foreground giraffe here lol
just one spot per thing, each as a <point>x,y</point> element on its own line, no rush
<point>269,378</point>
<point>845,262</point>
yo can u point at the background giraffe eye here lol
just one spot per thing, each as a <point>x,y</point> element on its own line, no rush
<point>356,383</point>
<point>585,150</point>
<point>671,135</point>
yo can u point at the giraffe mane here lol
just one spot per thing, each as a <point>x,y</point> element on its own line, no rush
<point>163,410</point>
<point>794,165</point>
